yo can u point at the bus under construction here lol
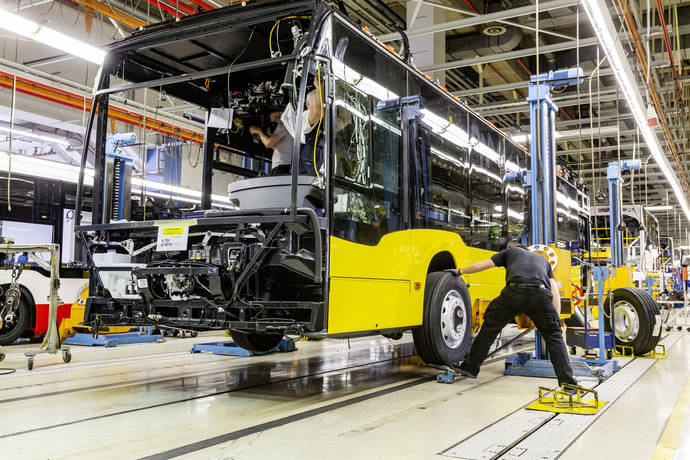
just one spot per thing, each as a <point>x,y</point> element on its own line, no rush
<point>393,181</point>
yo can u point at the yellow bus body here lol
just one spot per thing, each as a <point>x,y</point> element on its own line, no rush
<point>382,286</point>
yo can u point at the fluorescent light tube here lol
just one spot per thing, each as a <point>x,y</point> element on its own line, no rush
<point>34,31</point>
<point>602,24</point>
<point>32,135</point>
<point>659,208</point>
<point>48,169</point>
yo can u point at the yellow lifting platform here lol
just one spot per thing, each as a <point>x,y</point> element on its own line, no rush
<point>659,352</point>
<point>566,402</point>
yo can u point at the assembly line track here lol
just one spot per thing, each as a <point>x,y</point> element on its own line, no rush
<point>548,418</point>
<point>249,430</point>
<point>233,435</point>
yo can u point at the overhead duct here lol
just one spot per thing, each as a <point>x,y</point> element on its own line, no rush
<point>495,38</point>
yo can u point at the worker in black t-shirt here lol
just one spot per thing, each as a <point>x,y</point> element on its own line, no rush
<point>530,289</point>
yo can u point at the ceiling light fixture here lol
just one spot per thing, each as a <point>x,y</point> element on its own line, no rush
<point>48,169</point>
<point>658,208</point>
<point>32,135</point>
<point>601,21</point>
<point>30,29</point>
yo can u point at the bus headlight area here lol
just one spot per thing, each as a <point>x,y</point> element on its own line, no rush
<point>308,229</point>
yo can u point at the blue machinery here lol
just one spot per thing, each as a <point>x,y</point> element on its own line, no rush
<point>541,181</point>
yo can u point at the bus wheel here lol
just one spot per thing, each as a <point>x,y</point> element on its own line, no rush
<point>255,342</point>
<point>636,320</point>
<point>445,334</point>
<point>13,329</point>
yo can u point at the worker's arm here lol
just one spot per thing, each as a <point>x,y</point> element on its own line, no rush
<point>268,141</point>
<point>476,267</point>
<point>556,299</point>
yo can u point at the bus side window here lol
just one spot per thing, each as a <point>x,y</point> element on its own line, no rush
<point>366,163</point>
<point>443,183</point>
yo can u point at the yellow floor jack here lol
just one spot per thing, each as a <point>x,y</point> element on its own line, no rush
<point>568,399</point>
<point>73,325</point>
<point>659,352</point>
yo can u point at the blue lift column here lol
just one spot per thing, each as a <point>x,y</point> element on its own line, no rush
<point>540,181</point>
<point>542,175</point>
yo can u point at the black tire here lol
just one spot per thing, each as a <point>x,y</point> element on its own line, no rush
<point>638,302</point>
<point>254,341</point>
<point>11,332</point>
<point>433,346</point>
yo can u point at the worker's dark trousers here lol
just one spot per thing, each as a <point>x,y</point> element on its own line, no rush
<point>536,303</point>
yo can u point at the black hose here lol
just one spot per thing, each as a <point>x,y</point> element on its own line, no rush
<point>400,22</point>
<point>82,165</point>
<point>407,54</point>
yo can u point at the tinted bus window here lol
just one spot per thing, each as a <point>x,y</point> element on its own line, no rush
<point>367,155</point>
<point>486,185</point>
<point>516,160</point>
<point>440,171</point>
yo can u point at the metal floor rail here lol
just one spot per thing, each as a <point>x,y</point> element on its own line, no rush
<point>545,435</point>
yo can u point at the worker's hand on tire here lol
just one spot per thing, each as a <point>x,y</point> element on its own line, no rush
<point>453,272</point>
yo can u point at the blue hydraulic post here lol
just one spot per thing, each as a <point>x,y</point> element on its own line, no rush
<point>541,178</point>
<point>602,273</point>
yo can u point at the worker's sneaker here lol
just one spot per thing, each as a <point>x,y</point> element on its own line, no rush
<point>457,367</point>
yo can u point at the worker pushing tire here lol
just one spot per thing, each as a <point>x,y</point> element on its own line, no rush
<point>530,289</point>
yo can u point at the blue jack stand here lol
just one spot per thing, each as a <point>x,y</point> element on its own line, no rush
<point>447,377</point>
<point>113,340</point>
<point>232,349</point>
<point>523,364</point>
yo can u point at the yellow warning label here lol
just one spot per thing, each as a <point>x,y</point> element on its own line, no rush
<point>173,231</point>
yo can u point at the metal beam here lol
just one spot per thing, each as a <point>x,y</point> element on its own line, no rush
<point>488,112</point>
<point>509,23</point>
<point>511,86</point>
<point>482,19</point>
<point>187,77</point>
<point>605,148</point>
<point>593,41</point>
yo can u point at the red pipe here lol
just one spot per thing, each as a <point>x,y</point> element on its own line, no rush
<point>177,4</point>
<point>471,6</point>
<point>662,22</point>
<point>165,8</point>
<point>203,4</point>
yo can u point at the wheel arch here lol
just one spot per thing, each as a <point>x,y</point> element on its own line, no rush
<point>442,260</point>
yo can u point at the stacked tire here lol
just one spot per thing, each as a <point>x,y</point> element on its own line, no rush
<point>636,319</point>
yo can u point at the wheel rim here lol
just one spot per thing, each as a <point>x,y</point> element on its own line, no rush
<point>453,323</point>
<point>626,321</point>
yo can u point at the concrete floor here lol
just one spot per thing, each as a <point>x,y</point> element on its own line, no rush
<point>327,400</point>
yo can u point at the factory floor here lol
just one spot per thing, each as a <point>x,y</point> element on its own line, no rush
<point>369,398</point>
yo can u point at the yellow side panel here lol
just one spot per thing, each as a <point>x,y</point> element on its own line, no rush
<point>623,278</point>
<point>562,273</point>
<point>350,311</point>
<point>367,281</point>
